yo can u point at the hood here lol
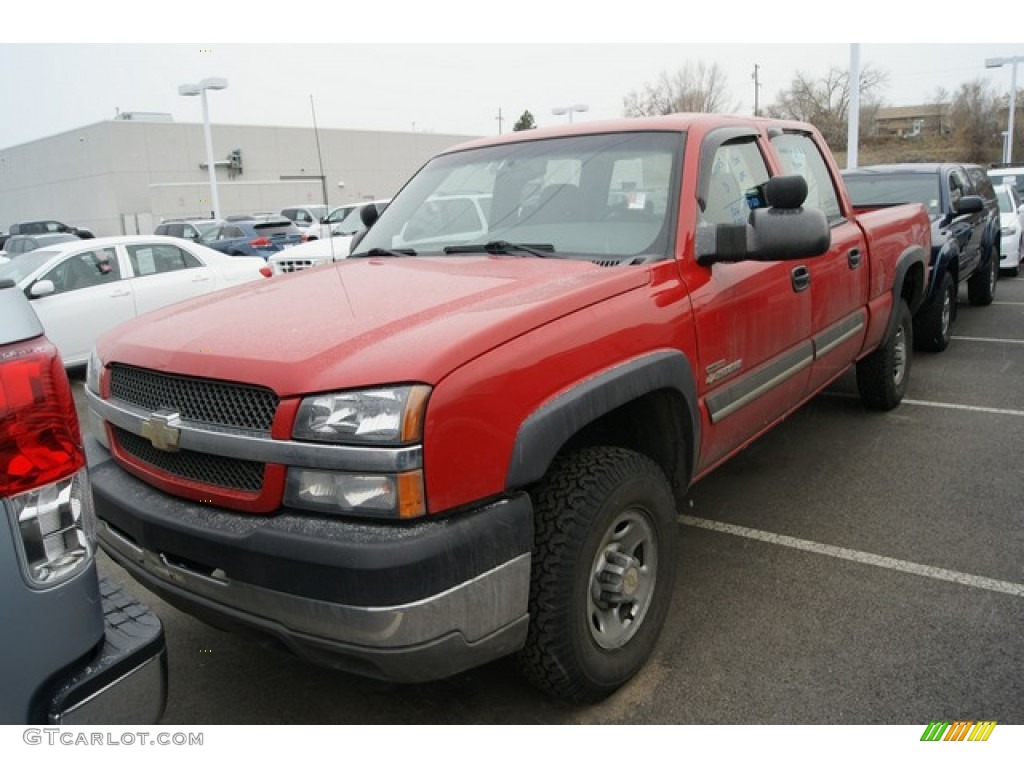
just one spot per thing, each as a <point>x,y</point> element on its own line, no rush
<point>365,321</point>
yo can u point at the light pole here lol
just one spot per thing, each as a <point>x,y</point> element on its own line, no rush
<point>569,110</point>
<point>200,89</point>
<point>995,64</point>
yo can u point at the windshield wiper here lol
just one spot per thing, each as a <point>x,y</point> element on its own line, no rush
<point>386,252</point>
<point>504,248</point>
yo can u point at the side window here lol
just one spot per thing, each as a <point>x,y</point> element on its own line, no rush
<point>801,156</point>
<point>158,258</point>
<point>959,185</point>
<point>982,185</point>
<point>85,270</point>
<point>738,174</point>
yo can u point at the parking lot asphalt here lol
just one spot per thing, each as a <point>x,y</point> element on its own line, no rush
<point>849,567</point>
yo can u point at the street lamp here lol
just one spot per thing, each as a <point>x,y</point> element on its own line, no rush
<point>569,110</point>
<point>995,64</point>
<point>192,89</point>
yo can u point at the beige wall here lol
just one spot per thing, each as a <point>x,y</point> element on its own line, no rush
<point>106,174</point>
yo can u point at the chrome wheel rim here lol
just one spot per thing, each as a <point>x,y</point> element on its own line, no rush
<point>623,578</point>
<point>899,356</point>
<point>947,313</point>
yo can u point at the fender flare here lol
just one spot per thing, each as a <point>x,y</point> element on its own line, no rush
<point>948,254</point>
<point>915,254</point>
<point>545,431</point>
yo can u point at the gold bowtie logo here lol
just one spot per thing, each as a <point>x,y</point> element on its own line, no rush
<point>161,429</point>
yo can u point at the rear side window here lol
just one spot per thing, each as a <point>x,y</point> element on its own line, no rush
<point>800,156</point>
<point>158,258</point>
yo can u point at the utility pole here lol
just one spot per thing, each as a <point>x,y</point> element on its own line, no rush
<point>500,120</point>
<point>757,91</point>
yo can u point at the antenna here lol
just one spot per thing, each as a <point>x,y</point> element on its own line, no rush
<point>323,176</point>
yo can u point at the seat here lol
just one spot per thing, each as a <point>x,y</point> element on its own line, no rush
<point>558,203</point>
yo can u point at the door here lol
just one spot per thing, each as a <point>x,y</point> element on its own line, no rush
<point>752,318</point>
<point>90,296</point>
<point>839,280</point>
<point>165,274</point>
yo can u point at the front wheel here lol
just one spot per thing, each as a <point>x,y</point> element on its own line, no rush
<point>883,375</point>
<point>604,564</point>
<point>981,286</point>
<point>933,325</point>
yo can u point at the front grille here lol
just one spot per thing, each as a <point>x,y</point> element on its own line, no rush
<point>284,266</point>
<point>206,401</point>
<point>219,471</point>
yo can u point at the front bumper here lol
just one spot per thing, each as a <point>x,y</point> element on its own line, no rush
<point>398,602</point>
<point>125,682</point>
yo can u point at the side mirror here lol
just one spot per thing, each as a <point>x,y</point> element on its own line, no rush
<point>783,231</point>
<point>969,204</point>
<point>41,288</point>
<point>369,214</point>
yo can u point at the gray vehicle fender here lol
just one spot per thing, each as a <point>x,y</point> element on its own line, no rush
<point>543,433</point>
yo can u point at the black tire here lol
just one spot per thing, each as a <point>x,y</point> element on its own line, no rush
<point>604,565</point>
<point>981,286</point>
<point>933,325</point>
<point>883,375</point>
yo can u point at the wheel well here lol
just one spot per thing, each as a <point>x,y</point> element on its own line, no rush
<point>656,425</point>
<point>913,290</point>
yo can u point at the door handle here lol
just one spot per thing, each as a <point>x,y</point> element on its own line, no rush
<point>801,277</point>
<point>854,257</point>
<point>119,294</point>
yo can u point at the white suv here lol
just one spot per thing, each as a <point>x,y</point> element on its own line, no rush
<point>342,224</point>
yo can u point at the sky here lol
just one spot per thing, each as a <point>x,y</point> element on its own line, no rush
<point>416,71</point>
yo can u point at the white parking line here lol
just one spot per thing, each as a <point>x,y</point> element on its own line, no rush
<point>982,338</point>
<point>955,407</point>
<point>856,556</point>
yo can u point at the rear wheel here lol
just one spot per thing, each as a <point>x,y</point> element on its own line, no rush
<point>883,375</point>
<point>604,565</point>
<point>933,325</point>
<point>981,286</point>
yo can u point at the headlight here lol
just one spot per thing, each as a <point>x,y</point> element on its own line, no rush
<point>93,375</point>
<point>392,415</point>
<point>395,496</point>
<point>94,371</point>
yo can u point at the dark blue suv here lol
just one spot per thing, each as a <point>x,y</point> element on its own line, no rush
<point>253,237</point>
<point>964,212</point>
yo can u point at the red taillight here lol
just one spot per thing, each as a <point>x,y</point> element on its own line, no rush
<point>266,271</point>
<point>260,242</point>
<point>40,442</point>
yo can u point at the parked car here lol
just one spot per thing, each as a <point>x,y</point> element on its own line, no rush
<point>307,217</point>
<point>81,289</point>
<point>187,229</point>
<point>48,226</point>
<point>18,244</point>
<point>253,236</point>
<point>965,237</point>
<point>333,247</point>
<point>1011,222</point>
<point>1012,175</point>
<point>74,649</point>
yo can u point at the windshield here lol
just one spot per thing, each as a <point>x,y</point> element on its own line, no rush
<point>599,196</point>
<point>339,214</point>
<point>1005,202</point>
<point>23,265</point>
<point>867,190</point>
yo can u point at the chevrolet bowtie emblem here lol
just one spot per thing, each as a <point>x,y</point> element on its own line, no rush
<point>161,429</point>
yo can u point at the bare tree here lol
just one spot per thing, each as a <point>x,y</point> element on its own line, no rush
<point>975,114</point>
<point>825,102</point>
<point>693,88</point>
<point>940,101</point>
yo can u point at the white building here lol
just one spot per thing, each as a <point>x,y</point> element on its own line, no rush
<point>125,176</point>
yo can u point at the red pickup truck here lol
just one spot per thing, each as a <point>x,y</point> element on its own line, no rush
<point>471,440</point>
